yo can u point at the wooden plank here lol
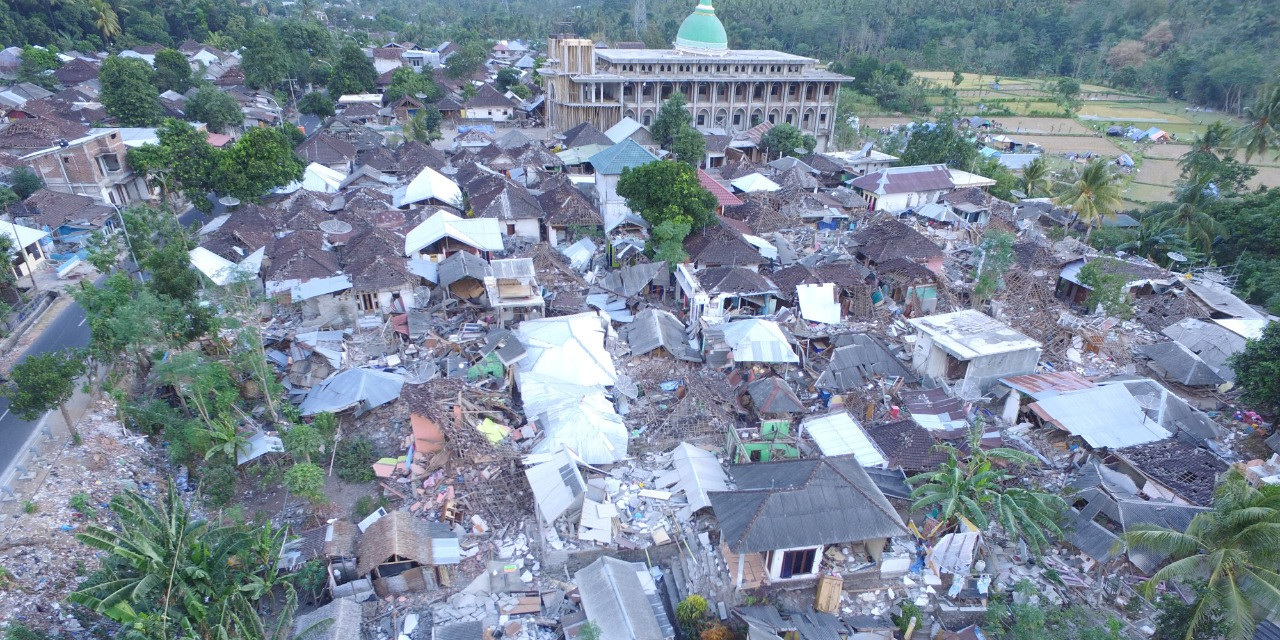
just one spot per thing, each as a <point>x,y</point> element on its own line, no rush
<point>827,599</point>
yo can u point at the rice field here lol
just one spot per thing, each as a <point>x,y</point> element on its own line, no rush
<point>1073,144</point>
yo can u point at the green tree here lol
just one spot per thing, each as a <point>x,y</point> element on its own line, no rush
<point>1093,195</point>
<point>983,492</point>
<point>507,77</point>
<point>172,72</point>
<point>106,19</point>
<point>672,118</point>
<point>787,140</point>
<point>465,61</point>
<point>302,440</point>
<point>1153,240</point>
<point>1035,178</point>
<point>692,614</point>
<point>668,238</point>
<point>261,160</point>
<point>306,480</point>
<point>1198,227</point>
<point>43,382</point>
<point>316,103</point>
<point>104,249</point>
<point>405,82</point>
<point>1066,92</point>
<point>265,64</point>
<point>128,94</point>
<point>520,91</point>
<point>25,182</point>
<point>352,72</point>
<point>1235,548</point>
<point>424,126</point>
<point>183,162</point>
<point>1207,149</point>
<point>1262,131</point>
<point>995,256</point>
<point>170,271</point>
<point>661,191</point>
<point>939,143</point>
<point>957,78</point>
<point>216,109</point>
<point>689,147</point>
<point>1257,369</point>
<point>168,573</point>
<point>1106,289</point>
<point>1174,617</point>
<point>36,64</point>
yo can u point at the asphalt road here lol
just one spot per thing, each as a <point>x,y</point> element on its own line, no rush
<point>67,330</point>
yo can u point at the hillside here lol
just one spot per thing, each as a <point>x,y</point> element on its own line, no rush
<point>1165,47</point>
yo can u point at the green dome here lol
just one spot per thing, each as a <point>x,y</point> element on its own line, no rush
<point>702,31</point>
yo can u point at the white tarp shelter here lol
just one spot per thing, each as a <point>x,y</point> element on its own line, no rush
<point>222,271</point>
<point>818,303</point>
<point>484,234</point>
<point>429,184</point>
<point>317,177</point>
<point>754,182</point>
<point>757,340</point>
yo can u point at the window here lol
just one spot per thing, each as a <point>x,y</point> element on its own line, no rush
<point>511,229</point>
<point>798,563</point>
<point>368,302</point>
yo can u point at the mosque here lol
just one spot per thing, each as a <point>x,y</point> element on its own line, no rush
<point>730,90</point>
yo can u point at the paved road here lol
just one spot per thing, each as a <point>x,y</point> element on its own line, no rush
<point>68,329</point>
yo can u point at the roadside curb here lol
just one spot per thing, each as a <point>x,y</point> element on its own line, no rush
<point>47,298</point>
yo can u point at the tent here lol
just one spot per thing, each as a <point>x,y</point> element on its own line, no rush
<point>754,182</point>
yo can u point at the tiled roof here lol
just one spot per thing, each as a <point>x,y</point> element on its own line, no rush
<point>414,156</point>
<point>33,134</point>
<point>53,209</point>
<point>488,97</point>
<point>375,261</point>
<point>75,72</point>
<point>931,177</point>
<point>625,155</point>
<point>734,280</point>
<point>719,245</point>
<point>892,239</point>
<point>326,149</point>
<point>907,445</point>
<point>583,135</point>
<point>300,256</point>
<point>724,197</point>
<point>509,201</point>
<point>565,204</point>
<point>789,278</point>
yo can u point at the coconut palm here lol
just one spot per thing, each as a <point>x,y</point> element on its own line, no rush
<point>1206,150</point>
<point>1234,548</point>
<point>1262,133</point>
<point>1035,178</point>
<point>174,575</point>
<point>980,492</point>
<point>106,19</point>
<point>1198,228</point>
<point>1095,194</point>
<point>1154,240</point>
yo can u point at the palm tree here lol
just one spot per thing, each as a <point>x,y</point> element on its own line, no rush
<point>1198,228</point>
<point>106,19</point>
<point>1234,548</point>
<point>1206,150</point>
<point>227,440</point>
<point>979,492</point>
<point>1154,240</point>
<point>1262,133</point>
<point>1035,178</point>
<point>168,569</point>
<point>1095,194</point>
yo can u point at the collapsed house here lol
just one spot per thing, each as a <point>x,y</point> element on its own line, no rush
<point>970,350</point>
<point>401,553</point>
<point>782,515</point>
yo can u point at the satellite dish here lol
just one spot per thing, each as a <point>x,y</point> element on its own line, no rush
<point>1177,257</point>
<point>229,201</point>
<point>1017,194</point>
<point>335,227</point>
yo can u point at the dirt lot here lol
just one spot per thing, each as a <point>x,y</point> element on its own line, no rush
<point>1070,144</point>
<point>1022,124</point>
<point>1153,171</point>
<point>1147,193</point>
<point>1269,176</point>
<point>1166,151</point>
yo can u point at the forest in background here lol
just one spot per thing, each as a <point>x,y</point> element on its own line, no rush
<point>1212,54</point>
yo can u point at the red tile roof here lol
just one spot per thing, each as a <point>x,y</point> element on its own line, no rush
<point>724,197</point>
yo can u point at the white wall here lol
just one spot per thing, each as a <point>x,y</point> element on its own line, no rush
<point>613,207</point>
<point>775,564</point>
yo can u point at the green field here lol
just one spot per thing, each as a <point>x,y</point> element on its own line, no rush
<point>1025,110</point>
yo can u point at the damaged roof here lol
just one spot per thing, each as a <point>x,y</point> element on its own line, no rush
<point>622,600</point>
<point>655,328</point>
<point>774,395</point>
<point>970,334</point>
<point>1192,472</point>
<point>859,362</point>
<point>463,265</point>
<point>1176,363</point>
<point>906,445</point>
<point>801,503</point>
<point>735,280</point>
<point>363,389</point>
<point>838,434</point>
<point>890,238</point>
<point>758,340</point>
<point>402,536</point>
<point>915,179</point>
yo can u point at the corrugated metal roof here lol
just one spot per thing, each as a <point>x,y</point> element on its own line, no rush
<point>625,155</point>
<point>855,364</point>
<point>1047,385</point>
<point>839,434</point>
<point>620,598</point>
<point>756,340</point>
<point>557,484</point>
<point>1104,416</point>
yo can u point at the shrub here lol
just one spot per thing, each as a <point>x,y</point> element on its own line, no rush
<point>354,460</point>
<point>367,505</point>
<point>80,502</point>
<point>219,482</point>
<point>692,614</point>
